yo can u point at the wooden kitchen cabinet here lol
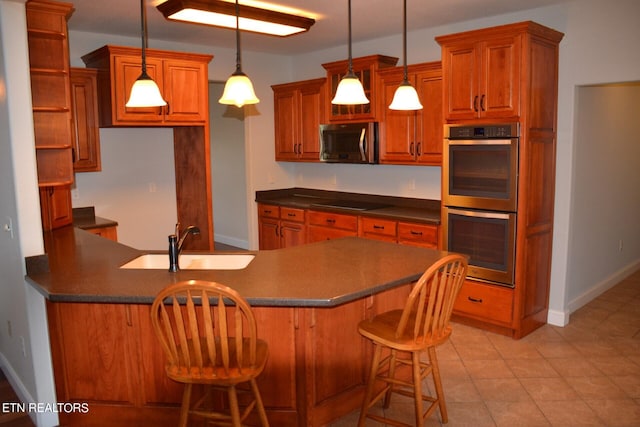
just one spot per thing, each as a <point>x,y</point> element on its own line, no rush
<point>55,207</point>
<point>378,229</point>
<point>412,137</point>
<point>366,68</point>
<point>299,109</point>
<point>485,302</point>
<point>330,225</point>
<point>50,90</point>
<point>280,227</point>
<point>414,234</point>
<point>84,101</point>
<point>489,73</point>
<point>181,77</point>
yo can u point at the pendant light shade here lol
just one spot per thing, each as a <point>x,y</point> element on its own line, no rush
<point>238,90</point>
<point>406,97</point>
<point>145,92</point>
<point>350,90</point>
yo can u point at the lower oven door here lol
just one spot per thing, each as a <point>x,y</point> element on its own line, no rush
<point>487,237</point>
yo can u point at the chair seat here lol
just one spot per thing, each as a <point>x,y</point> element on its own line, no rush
<point>382,329</point>
<point>215,373</point>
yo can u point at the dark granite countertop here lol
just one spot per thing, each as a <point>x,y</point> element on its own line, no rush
<point>396,208</point>
<point>83,267</point>
<point>86,219</point>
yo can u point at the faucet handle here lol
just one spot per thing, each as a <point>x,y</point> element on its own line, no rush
<point>177,230</point>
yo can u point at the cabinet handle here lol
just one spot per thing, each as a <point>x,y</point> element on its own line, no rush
<point>477,300</point>
<point>331,220</point>
<point>277,234</point>
<point>295,149</point>
<point>475,103</point>
<point>416,233</point>
<point>292,215</point>
<point>299,149</point>
<point>127,311</point>
<point>482,102</point>
<point>168,108</point>
<point>267,211</point>
<point>378,227</point>
<point>419,148</point>
<point>412,148</point>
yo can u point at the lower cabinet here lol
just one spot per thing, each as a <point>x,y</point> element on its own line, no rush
<point>107,356</point>
<point>55,207</point>
<point>110,233</point>
<point>484,302</point>
<point>280,227</point>
<point>330,225</point>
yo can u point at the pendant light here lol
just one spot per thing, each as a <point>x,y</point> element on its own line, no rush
<point>406,97</point>
<point>350,90</point>
<point>238,90</point>
<point>144,92</point>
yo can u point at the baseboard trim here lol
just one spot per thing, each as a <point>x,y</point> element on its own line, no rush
<point>228,240</point>
<point>17,384</point>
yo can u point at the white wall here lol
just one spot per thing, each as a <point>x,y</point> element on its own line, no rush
<point>604,237</point>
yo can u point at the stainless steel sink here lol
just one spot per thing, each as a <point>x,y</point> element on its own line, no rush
<point>191,262</point>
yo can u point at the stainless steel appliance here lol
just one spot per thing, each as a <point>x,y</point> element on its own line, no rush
<point>481,166</point>
<point>480,195</point>
<point>349,143</point>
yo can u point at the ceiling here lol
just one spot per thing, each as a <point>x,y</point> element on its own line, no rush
<point>371,19</point>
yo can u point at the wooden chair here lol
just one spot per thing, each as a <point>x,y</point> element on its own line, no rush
<point>209,335</point>
<point>421,325</point>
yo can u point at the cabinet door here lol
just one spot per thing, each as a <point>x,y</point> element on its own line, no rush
<point>269,233</point>
<point>460,66</point>
<point>429,122</point>
<point>291,234</point>
<point>84,101</point>
<point>126,72</point>
<point>500,78</point>
<point>55,207</point>
<point>397,127</point>
<point>311,115</point>
<point>185,90</point>
<point>285,105</point>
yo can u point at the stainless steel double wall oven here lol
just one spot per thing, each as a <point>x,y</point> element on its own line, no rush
<point>480,196</point>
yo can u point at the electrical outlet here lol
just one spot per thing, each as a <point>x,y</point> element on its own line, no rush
<point>75,194</point>
<point>8,226</point>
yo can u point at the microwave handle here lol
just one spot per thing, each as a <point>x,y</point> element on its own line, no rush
<point>493,215</point>
<point>361,144</point>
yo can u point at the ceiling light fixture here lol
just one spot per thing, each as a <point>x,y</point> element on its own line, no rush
<point>222,14</point>
<point>350,90</point>
<point>144,92</point>
<point>238,90</point>
<point>406,97</point>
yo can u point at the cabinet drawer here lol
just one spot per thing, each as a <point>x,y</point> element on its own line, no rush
<point>485,302</point>
<point>418,234</point>
<point>382,227</point>
<point>292,214</point>
<point>333,220</point>
<point>317,233</point>
<point>268,211</point>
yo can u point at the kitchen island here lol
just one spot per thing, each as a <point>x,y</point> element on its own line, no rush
<point>307,300</point>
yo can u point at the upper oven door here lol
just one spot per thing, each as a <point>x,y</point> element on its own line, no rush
<point>481,173</point>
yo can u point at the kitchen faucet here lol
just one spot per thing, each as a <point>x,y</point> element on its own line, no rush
<point>176,241</point>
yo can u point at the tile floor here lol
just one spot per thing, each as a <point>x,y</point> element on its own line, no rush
<point>585,374</point>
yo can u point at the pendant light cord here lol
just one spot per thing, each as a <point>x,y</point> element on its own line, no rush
<point>143,34</point>
<point>350,70</point>
<point>238,58</point>
<point>404,42</point>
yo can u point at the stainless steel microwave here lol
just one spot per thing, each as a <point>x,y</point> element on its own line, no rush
<point>349,143</point>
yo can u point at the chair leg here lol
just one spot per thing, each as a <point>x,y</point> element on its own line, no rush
<point>435,371</point>
<point>391,374</point>
<point>259,405</point>
<point>186,403</point>
<point>370,383</point>
<point>417,387</point>
<point>233,407</point>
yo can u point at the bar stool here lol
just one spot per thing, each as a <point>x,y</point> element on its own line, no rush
<point>209,336</point>
<point>422,325</point>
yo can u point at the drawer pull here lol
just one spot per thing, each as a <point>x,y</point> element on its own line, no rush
<point>267,211</point>
<point>416,233</point>
<point>477,300</point>
<point>291,214</point>
<point>331,220</point>
<point>378,227</point>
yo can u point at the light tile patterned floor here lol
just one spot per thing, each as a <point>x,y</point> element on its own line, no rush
<point>585,374</point>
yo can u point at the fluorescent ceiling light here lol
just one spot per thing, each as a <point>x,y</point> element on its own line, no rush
<point>221,13</point>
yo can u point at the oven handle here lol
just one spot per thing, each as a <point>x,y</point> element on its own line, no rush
<point>492,215</point>
<point>479,141</point>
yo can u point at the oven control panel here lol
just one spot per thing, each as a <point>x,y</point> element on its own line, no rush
<point>503,130</point>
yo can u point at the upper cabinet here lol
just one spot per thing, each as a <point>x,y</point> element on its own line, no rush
<point>366,68</point>
<point>181,77</point>
<point>487,73</point>
<point>84,101</point>
<point>50,90</point>
<point>412,137</point>
<point>298,112</point>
